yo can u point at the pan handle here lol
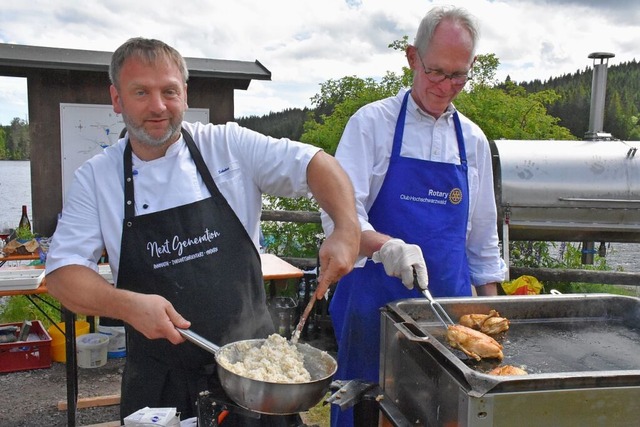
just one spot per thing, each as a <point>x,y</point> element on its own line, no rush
<point>199,340</point>
<point>411,332</point>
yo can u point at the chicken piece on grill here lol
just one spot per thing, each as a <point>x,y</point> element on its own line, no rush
<point>507,370</point>
<point>491,323</point>
<point>473,343</point>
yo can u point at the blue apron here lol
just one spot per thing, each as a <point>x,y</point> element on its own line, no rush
<point>421,202</point>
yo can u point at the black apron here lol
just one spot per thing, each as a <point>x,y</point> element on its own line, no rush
<point>200,258</point>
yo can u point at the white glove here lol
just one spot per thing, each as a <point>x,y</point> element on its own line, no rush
<point>401,260</point>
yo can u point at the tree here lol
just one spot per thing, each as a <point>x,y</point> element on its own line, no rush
<point>290,238</point>
<point>285,124</point>
<point>502,111</point>
<point>483,72</point>
<point>3,143</point>
<point>16,144</point>
<point>343,98</point>
<point>622,124</point>
<point>511,113</point>
<point>340,99</point>
<point>573,105</point>
<point>506,111</point>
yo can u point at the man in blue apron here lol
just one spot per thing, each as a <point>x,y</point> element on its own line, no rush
<point>177,206</point>
<point>424,194</point>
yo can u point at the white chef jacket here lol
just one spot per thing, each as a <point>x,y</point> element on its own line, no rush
<point>364,151</point>
<point>244,165</point>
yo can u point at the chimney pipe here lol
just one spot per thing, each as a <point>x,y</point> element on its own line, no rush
<point>596,122</point>
<point>598,90</point>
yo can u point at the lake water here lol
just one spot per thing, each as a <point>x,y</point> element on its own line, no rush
<point>15,191</point>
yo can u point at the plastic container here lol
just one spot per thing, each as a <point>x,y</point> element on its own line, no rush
<point>58,349</point>
<point>92,350</point>
<point>34,353</point>
<point>117,340</point>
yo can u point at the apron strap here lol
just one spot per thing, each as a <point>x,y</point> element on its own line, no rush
<point>201,166</point>
<point>129,203</point>
<point>399,133</point>
<point>460,137</point>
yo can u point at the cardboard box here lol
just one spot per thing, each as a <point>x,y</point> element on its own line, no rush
<point>165,417</point>
<point>33,353</point>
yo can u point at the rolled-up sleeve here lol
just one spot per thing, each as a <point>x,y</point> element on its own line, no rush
<point>483,250</point>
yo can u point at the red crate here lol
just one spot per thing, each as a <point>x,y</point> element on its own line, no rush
<point>35,353</point>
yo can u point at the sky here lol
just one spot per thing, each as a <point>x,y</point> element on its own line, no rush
<point>304,43</point>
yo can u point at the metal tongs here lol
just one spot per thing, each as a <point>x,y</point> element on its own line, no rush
<point>439,311</point>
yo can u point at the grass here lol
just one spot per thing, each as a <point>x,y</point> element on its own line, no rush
<point>18,308</point>
<point>319,415</point>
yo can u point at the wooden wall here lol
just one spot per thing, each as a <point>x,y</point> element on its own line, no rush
<point>48,88</point>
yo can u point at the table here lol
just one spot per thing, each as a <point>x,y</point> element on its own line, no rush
<point>274,268</point>
<point>30,257</point>
<point>28,293</point>
<point>42,289</point>
<point>70,344</point>
<point>277,271</point>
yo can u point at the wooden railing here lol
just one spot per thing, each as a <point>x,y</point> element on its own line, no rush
<point>577,275</point>
<point>291,216</point>
<point>296,217</point>
<point>542,274</point>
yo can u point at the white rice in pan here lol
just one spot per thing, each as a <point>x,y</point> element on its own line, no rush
<point>276,361</point>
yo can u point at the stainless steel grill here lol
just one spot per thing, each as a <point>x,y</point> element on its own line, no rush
<point>580,352</point>
<point>568,190</point>
<point>574,191</point>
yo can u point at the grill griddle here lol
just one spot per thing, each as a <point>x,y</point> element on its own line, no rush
<point>579,340</point>
<point>562,345</point>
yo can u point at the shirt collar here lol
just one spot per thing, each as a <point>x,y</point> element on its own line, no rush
<point>175,148</point>
<point>172,151</point>
<point>415,109</point>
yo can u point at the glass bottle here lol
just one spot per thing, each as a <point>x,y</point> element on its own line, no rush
<point>24,219</point>
<point>302,291</point>
<point>283,324</point>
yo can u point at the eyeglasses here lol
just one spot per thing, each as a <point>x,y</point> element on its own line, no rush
<point>437,76</point>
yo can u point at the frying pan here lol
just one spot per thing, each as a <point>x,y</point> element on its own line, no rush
<point>270,397</point>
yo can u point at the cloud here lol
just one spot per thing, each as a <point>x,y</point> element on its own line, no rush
<point>305,43</point>
<point>13,99</point>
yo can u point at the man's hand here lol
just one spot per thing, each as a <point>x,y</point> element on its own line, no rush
<point>401,260</point>
<point>338,255</point>
<point>155,318</point>
<point>83,290</point>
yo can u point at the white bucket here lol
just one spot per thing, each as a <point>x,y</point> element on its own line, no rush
<point>92,350</point>
<point>117,340</point>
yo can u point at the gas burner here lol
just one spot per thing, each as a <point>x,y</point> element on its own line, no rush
<point>212,411</point>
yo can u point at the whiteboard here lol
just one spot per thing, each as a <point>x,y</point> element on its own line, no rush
<point>87,129</point>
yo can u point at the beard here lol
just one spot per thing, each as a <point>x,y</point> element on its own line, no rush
<point>139,133</point>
